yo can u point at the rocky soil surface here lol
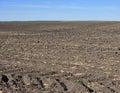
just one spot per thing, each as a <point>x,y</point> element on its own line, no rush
<point>59,57</point>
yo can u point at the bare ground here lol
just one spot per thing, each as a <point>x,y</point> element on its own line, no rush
<point>59,57</point>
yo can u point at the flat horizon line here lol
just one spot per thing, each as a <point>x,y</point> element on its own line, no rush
<point>63,21</point>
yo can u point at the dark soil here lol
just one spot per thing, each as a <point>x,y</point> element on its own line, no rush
<point>59,57</point>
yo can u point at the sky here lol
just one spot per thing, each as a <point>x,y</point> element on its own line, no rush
<point>59,10</point>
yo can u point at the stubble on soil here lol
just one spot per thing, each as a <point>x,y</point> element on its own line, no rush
<point>59,57</point>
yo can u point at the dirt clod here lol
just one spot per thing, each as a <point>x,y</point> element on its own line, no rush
<point>5,78</point>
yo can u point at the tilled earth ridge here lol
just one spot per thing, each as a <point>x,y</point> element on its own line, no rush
<point>59,57</point>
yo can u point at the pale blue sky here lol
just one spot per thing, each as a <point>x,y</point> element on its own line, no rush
<point>28,10</point>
